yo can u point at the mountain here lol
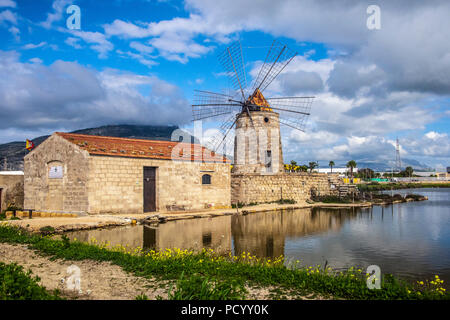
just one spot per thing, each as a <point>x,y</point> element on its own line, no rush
<point>14,152</point>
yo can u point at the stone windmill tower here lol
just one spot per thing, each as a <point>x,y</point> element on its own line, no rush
<point>254,119</point>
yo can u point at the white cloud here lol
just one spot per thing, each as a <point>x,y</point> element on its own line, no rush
<point>96,39</point>
<point>435,135</point>
<point>34,46</point>
<point>141,47</point>
<point>68,95</point>
<point>15,32</point>
<point>7,3</point>
<point>73,42</point>
<point>59,7</point>
<point>8,16</point>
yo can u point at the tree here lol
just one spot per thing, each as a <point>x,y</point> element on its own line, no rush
<point>331,164</point>
<point>409,171</point>
<point>365,173</point>
<point>303,168</point>
<point>312,165</point>
<point>351,164</point>
<point>293,165</point>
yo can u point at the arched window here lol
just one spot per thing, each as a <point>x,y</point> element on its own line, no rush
<point>206,179</point>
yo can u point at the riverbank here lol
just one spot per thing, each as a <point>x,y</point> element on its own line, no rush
<point>400,185</point>
<point>52,224</point>
<point>189,271</point>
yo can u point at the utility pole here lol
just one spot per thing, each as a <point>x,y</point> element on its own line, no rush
<point>398,161</point>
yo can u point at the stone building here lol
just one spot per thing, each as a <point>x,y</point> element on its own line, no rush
<point>11,189</point>
<point>96,174</point>
<point>258,174</point>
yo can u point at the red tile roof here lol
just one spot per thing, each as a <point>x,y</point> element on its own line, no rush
<point>140,148</point>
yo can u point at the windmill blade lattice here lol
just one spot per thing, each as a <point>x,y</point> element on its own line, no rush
<point>224,108</point>
<point>232,61</point>
<point>224,140</point>
<point>211,104</point>
<point>277,59</point>
<point>293,111</point>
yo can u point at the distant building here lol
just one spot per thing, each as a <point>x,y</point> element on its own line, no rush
<point>424,173</point>
<point>97,174</point>
<point>335,170</point>
<point>11,189</point>
<point>448,169</point>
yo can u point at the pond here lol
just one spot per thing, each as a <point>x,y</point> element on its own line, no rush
<point>410,240</point>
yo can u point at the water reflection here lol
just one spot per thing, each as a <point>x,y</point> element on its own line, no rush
<point>408,239</point>
<point>264,234</point>
<point>214,233</point>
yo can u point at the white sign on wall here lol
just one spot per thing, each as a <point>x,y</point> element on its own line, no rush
<point>56,172</point>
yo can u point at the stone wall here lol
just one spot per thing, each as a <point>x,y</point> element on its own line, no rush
<point>66,194</point>
<point>11,191</point>
<point>116,184</point>
<point>255,138</point>
<point>251,188</point>
<point>104,184</point>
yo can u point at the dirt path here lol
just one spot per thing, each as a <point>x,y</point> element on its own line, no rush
<point>99,280</point>
<point>103,280</point>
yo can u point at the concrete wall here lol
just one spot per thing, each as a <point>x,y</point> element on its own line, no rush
<point>116,184</point>
<point>12,190</point>
<point>251,188</point>
<point>66,194</point>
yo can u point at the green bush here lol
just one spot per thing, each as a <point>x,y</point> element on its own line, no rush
<point>198,287</point>
<point>15,284</point>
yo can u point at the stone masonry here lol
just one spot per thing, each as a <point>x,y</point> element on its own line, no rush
<point>115,185</point>
<point>11,190</point>
<point>94,183</point>
<point>257,188</point>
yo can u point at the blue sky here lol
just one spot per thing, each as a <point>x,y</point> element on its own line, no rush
<point>139,62</point>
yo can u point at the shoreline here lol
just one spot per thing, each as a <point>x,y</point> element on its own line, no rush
<point>250,277</point>
<point>63,224</point>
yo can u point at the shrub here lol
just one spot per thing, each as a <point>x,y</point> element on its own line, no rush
<point>197,287</point>
<point>15,284</point>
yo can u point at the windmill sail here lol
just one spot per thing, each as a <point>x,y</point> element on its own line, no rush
<point>293,110</point>
<point>211,104</point>
<point>232,61</point>
<point>224,108</point>
<point>277,59</point>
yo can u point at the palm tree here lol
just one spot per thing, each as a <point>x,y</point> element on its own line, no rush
<point>312,165</point>
<point>293,164</point>
<point>331,164</point>
<point>351,164</point>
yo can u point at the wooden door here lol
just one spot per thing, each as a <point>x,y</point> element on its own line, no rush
<point>149,189</point>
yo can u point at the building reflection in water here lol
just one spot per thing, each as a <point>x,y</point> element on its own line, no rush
<point>195,234</point>
<point>262,234</point>
<point>192,234</point>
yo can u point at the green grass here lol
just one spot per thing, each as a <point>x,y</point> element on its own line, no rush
<point>333,199</point>
<point>16,284</point>
<point>389,186</point>
<point>198,287</point>
<point>219,272</point>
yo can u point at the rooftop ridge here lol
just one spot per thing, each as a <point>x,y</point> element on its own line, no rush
<point>121,138</point>
<point>141,148</point>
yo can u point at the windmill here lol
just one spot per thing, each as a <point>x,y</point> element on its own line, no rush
<point>254,118</point>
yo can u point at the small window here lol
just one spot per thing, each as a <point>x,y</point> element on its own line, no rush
<point>206,179</point>
<point>268,158</point>
<point>207,239</point>
<point>55,172</point>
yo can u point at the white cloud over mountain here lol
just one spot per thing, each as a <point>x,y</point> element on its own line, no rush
<point>69,95</point>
